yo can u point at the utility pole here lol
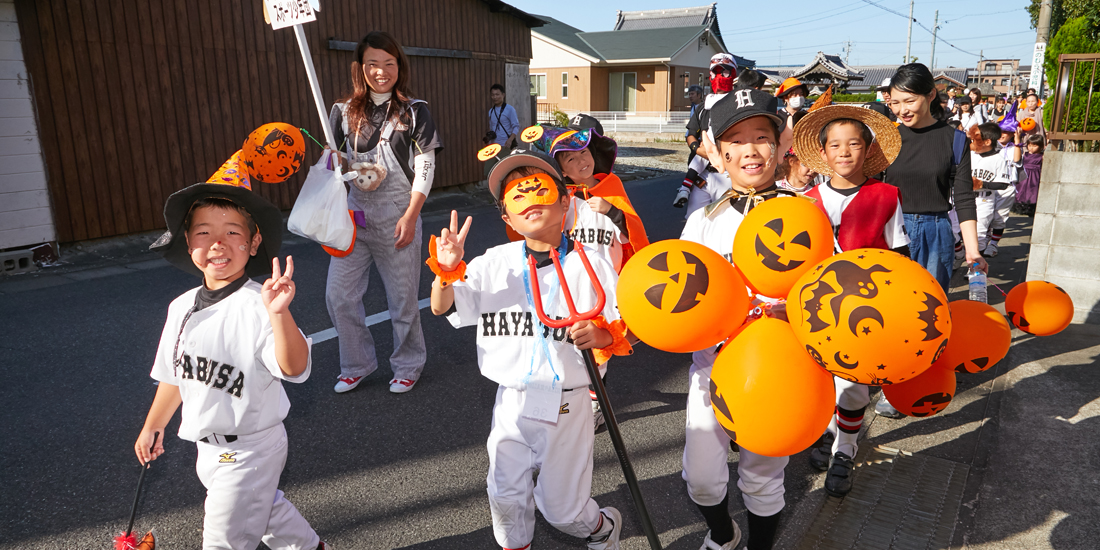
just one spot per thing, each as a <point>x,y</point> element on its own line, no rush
<point>847,51</point>
<point>935,27</point>
<point>981,56</point>
<point>1042,34</point>
<point>909,37</point>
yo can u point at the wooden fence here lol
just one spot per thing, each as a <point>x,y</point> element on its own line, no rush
<point>138,99</point>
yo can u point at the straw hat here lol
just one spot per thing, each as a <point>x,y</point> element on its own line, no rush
<point>887,138</point>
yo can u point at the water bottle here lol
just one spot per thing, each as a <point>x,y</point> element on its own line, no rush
<point>977,284</point>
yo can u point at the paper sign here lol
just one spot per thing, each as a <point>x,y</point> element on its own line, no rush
<point>287,13</point>
<point>1037,59</point>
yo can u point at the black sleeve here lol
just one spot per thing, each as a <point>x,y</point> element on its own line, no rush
<point>903,250</point>
<point>425,133</point>
<point>618,217</point>
<point>995,185</point>
<point>336,122</point>
<point>693,126</point>
<point>963,186</point>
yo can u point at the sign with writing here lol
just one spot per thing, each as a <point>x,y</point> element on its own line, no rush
<point>1037,58</point>
<point>287,13</point>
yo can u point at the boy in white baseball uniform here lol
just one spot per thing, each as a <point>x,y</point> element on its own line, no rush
<point>224,351</point>
<point>852,144</point>
<point>541,419</point>
<point>745,132</point>
<point>993,173</point>
<point>1012,152</point>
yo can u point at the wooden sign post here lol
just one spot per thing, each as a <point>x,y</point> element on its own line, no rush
<point>292,13</point>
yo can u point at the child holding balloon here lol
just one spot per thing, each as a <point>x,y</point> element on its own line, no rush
<point>746,131</point>
<point>849,144</point>
<point>540,418</point>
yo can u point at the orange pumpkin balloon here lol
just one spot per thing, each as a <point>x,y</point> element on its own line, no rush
<point>778,241</point>
<point>767,393</point>
<point>273,152</point>
<point>344,253</point>
<point>980,336</point>
<point>1027,124</point>
<point>870,316</point>
<point>1039,308</point>
<point>925,395</point>
<point>681,296</point>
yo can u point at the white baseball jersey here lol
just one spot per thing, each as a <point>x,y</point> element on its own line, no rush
<point>509,335</point>
<point>1007,152</point>
<point>992,167</point>
<point>835,201</point>
<point>594,230</point>
<point>228,375</point>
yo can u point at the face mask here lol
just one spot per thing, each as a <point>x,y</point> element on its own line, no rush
<point>524,193</point>
<point>796,102</point>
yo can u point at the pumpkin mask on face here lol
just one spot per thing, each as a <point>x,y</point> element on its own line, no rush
<point>536,190</point>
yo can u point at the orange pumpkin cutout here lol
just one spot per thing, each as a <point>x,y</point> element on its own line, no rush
<point>336,253</point>
<point>980,337</point>
<point>767,394</point>
<point>1039,308</point>
<point>488,152</point>
<point>681,296</point>
<point>870,316</point>
<point>778,241</point>
<point>273,152</point>
<point>531,134</point>
<point>925,395</point>
<point>231,173</point>
<point>1027,124</point>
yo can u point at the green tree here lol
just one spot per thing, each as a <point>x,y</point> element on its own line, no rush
<point>1064,10</point>
<point>1075,36</point>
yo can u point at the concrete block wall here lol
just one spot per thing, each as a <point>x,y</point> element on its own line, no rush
<point>1065,239</point>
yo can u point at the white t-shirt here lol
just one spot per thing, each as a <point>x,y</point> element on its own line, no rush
<point>992,166</point>
<point>836,201</point>
<point>1008,154</point>
<point>593,229</point>
<point>494,299</point>
<point>228,375</point>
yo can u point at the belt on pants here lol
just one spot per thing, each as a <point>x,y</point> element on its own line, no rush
<point>213,438</point>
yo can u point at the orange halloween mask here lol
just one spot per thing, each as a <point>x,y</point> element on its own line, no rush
<point>523,193</point>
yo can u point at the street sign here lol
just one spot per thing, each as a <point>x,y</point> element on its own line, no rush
<point>1037,58</point>
<point>287,13</point>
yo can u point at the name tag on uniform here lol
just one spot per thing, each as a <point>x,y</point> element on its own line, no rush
<point>542,399</point>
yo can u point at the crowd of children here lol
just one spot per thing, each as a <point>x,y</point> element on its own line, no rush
<point>228,344</point>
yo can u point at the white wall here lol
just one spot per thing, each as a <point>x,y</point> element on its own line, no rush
<point>546,55</point>
<point>517,86</point>
<point>695,56</point>
<point>25,214</point>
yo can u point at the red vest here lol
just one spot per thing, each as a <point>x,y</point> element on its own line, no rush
<point>863,221</point>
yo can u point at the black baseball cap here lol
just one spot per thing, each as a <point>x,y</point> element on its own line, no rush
<point>520,157</point>
<point>584,121</point>
<point>739,105</point>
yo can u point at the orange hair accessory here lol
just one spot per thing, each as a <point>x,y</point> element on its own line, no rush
<point>619,344</point>
<point>445,277</point>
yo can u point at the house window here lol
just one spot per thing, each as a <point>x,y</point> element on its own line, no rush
<point>687,83</point>
<point>990,67</point>
<point>704,82</point>
<point>538,85</point>
<point>565,85</point>
<point>1006,66</point>
<point>1004,82</point>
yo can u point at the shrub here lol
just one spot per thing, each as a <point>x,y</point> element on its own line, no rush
<point>559,118</point>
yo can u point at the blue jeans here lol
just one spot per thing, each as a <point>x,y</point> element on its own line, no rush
<point>932,244</point>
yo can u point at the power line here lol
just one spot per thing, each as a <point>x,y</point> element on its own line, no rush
<point>921,25</point>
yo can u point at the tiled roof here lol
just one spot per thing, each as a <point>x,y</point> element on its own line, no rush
<point>564,34</point>
<point>640,44</point>
<point>830,67</point>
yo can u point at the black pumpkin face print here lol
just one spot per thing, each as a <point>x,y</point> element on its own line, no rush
<point>687,282</point>
<point>722,411</point>
<point>931,404</point>
<point>780,253</point>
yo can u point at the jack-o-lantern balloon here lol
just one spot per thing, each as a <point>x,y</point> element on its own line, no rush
<point>778,241</point>
<point>1027,124</point>
<point>870,316</point>
<point>767,394</point>
<point>1039,308</point>
<point>231,173</point>
<point>273,152</point>
<point>925,395</point>
<point>681,296</point>
<point>344,253</point>
<point>980,336</point>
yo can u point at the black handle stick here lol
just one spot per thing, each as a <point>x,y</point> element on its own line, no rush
<point>620,449</point>
<point>141,479</point>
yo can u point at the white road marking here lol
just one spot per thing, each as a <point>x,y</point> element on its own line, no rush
<point>329,334</point>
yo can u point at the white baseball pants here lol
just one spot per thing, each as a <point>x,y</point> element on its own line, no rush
<point>243,502</point>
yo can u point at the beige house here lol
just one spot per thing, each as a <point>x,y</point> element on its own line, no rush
<point>643,65</point>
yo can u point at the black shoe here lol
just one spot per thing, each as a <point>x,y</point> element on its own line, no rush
<point>820,455</point>
<point>838,482</point>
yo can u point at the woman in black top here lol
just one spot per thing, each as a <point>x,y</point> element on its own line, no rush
<point>931,168</point>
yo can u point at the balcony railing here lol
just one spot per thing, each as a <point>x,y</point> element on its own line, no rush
<point>1076,98</point>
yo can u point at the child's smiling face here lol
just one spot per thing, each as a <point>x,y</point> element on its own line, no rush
<point>844,150</point>
<point>220,244</point>
<point>748,152</point>
<point>577,165</point>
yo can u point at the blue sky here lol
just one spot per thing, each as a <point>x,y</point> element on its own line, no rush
<point>793,31</point>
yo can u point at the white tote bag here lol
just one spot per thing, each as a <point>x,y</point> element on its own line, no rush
<point>321,211</point>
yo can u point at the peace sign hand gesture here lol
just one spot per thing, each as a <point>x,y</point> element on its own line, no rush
<point>450,246</point>
<point>278,291</point>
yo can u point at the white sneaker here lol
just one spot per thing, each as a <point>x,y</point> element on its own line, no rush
<point>597,416</point>
<point>401,385</point>
<point>711,545</point>
<point>990,251</point>
<point>347,384</point>
<point>612,540</point>
<point>681,197</point>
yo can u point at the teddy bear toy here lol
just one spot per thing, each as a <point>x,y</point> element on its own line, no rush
<point>370,175</point>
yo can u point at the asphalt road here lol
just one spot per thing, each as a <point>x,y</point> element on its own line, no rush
<point>369,469</point>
